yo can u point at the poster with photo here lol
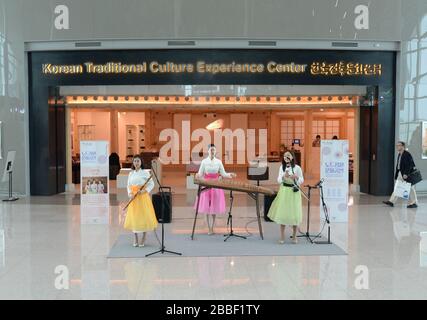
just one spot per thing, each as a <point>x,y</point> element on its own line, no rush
<point>94,185</point>
<point>94,171</point>
<point>424,140</point>
<point>334,171</point>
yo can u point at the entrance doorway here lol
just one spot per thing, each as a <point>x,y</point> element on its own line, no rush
<point>133,124</point>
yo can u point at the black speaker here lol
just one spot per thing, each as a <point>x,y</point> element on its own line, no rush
<point>162,204</point>
<point>268,200</point>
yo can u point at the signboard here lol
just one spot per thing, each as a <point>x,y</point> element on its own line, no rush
<point>10,160</point>
<point>334,172</point>
<point>94,168</point>
<point>316,68</point>
<point>220,66</point>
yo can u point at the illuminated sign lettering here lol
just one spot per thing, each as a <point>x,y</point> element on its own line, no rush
<point>154,67</point>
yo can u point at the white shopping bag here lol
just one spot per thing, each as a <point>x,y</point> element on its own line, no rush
<point>402,189</point>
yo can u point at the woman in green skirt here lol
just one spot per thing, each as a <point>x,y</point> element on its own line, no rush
<point>286,209</point>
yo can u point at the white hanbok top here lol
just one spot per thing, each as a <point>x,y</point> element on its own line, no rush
<point>100,188</point>
<point>138,178</point>
<point>296,170</point>
<point>212,166</point>
<point>94,188</point>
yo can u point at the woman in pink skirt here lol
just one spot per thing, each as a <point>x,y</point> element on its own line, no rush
<point>212,201</point>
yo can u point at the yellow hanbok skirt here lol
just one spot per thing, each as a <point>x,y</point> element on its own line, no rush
<point>140,216</point>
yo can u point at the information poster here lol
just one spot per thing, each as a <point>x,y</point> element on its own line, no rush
<point>94,182</point>
<point>334,172</point>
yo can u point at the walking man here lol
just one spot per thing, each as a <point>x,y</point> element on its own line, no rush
<point>405,165</point>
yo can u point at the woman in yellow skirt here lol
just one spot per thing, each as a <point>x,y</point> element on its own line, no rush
<point>140,216</point>
<point>286,209</point>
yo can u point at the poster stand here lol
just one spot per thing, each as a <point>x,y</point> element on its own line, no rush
<point>8,175</point>
<point>11,198</point>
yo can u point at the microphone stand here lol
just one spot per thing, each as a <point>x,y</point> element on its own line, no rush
<point>230,222</point>
<point>326,212</point>
<point>308,197</point>
<point>164,202</point>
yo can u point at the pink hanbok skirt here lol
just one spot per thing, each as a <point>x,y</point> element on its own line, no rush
<point>212,201</point>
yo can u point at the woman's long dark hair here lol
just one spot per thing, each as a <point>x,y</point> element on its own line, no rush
<point>137,157</point>
<point>292,161</point>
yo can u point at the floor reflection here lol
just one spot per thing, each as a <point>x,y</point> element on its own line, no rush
<point>37,237</point>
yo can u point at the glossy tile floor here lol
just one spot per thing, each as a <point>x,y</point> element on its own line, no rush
<point>41,235</point>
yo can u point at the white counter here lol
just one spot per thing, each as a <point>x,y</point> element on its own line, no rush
<point>122,178</point>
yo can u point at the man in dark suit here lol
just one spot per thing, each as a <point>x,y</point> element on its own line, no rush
<point>405,165</point>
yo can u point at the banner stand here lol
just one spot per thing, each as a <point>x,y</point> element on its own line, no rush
<point>334,170</point>
<point>8,170</point>
<point>11,197</point>
<point>94,182</point>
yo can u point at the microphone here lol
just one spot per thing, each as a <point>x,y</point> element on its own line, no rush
<point>319,183</point>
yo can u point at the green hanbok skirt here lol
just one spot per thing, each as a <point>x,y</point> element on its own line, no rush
<point>286,209</point>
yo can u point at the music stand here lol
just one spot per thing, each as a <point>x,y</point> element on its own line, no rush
<point>164,202</point>
<point>230,221</point>
<point>257,174</point>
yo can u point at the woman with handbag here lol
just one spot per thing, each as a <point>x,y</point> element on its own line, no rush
<point>405,172</point>
<point>286,209</point>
